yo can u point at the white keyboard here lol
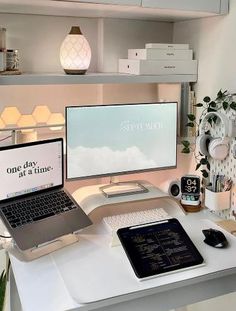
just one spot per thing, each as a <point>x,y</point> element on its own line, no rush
<point>113,223</point>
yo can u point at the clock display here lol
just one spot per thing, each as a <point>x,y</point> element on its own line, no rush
<point>190,184</point>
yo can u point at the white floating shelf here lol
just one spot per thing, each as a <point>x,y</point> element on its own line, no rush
<point>168,10</point>
<point>92,78</point>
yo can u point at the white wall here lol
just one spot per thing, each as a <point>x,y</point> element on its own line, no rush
<point>214,43</point>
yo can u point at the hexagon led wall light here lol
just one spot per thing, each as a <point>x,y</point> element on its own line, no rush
<point>10,115</point>
<point>27,133</point>
<point>75,52</point>
<point>2,124</point>
<point>56,118</point>
<point>41,113</point>
<point>26,120</point>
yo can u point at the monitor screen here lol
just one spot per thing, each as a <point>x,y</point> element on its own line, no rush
<point>117,139</point>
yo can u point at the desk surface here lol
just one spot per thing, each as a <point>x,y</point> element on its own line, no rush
<point>91,275</point>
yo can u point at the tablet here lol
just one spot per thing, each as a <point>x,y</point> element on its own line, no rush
<point>158,248</point>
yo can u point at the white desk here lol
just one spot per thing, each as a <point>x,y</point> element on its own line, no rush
<point>90,275</point>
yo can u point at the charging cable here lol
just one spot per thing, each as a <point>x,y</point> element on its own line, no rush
<point>5,236</point>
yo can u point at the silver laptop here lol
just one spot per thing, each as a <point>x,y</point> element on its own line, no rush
<point>34,206</point>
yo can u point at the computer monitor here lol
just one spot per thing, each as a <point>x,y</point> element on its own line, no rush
<point>116,139</point>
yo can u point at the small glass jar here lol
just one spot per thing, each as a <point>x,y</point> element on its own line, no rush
<point>12,60</point>
<point>2,38</point>
<point>2,60</point>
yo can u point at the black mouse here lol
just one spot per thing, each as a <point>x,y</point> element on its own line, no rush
<point>215,238</point>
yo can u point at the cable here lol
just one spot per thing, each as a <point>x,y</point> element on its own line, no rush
<point>5,138</point>
<point>5,236</point>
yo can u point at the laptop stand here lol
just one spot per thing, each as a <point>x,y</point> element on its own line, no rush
<point>43,249</point>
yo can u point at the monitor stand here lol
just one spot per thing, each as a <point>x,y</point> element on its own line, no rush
<point>96,205</point>
<point>116,189</point>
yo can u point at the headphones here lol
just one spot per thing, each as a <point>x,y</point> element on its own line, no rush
<point>217,148</point>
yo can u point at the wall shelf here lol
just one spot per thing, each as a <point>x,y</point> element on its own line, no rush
<point>167,10</point>
<point>92,78</point>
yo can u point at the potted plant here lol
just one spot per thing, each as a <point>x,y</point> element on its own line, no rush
<point>3,284</point>
<point>223,102</point>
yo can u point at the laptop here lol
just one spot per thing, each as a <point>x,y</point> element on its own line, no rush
<point>34,206</point>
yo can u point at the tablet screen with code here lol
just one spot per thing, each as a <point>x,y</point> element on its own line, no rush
<point>159,247</point>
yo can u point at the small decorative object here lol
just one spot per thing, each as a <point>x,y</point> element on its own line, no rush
<point>2,38</point>
<point>12,60</point>
<point>2,60</point>
<point>2,49</point>
<point>75,52</point>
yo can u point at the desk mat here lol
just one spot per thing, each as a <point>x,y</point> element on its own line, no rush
<point>92,271</point>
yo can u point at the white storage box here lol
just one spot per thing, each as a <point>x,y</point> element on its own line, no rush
<point>160,54</point>
<point>157,67</point>
<point>217,201</point>
<point>167,46</point>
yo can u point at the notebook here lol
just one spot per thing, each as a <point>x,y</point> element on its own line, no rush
<point>34,206</point>
<point>158,248</point>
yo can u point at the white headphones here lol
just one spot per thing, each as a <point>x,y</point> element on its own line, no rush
<point>217,148</point>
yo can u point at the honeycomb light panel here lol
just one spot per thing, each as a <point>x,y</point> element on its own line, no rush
<point>41,113</point>
<point>54,119</point>
<point>2,124</point>
<point>10,115</point>
<point>26,120</point>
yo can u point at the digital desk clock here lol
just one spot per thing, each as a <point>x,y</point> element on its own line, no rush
<point>190,189</point>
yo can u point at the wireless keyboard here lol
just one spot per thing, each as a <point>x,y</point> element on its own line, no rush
<point>113,223</point>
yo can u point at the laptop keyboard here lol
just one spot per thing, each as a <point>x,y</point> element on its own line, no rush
<point>37,208</point>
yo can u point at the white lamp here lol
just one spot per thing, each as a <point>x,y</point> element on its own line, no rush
<point>75,52</point>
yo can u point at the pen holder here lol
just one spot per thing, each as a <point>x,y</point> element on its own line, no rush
<point>217,201</point>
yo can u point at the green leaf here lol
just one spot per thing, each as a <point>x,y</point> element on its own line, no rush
<point>198,105</point>
<point>3,283</point>
<point>185,150</point>
<point>209,109</point>
<point>203,161</point>
<point>191,117</point>
<point>212,104</point>
<point>206,99</point>
<point>210,121</point>
<point>214,119</point>
<point>233,105</point>
<point>190,124</point>
<point>185,143</point>
<point>204,173</point>
<point>197,166</point>
<point>208,166</point>
<point>221,95</point>
<point>225,105</point>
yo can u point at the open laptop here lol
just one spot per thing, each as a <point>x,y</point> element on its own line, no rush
<point>34,206</point>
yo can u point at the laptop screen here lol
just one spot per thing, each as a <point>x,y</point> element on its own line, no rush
<point>29,168</point>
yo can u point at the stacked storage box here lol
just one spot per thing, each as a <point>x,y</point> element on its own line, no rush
<point>159,59</point>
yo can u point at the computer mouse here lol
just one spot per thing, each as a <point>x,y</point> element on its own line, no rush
<point>215,238</point>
